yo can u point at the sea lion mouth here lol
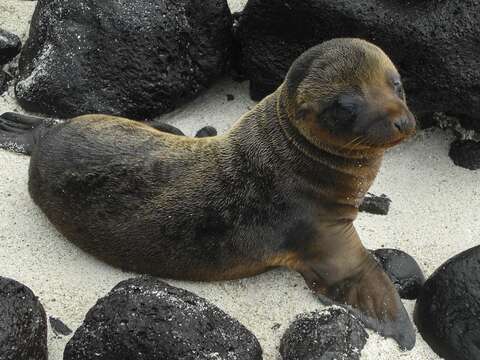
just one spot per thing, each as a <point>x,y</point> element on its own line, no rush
<point>394,142</point>
<point>370,144</point>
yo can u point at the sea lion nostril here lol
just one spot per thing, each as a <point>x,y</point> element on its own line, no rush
<point>398,125</point>
<point>404,125</point>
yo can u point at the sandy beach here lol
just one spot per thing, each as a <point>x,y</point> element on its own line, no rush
<point>434,215</point>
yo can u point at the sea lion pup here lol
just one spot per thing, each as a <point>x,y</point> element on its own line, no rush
<point>281,188</point>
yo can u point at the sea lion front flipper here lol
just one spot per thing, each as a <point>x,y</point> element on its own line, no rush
<point>166,128</point>
<point>346,274</point>
<point>19,133</point>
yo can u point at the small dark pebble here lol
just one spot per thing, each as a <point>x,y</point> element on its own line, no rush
<point>59,327</point>
<point>10,46</point>
<point>329,334</point>
<point>373,204</point>
<point>403,270</point>
<point>206,131</point>
<point>465,153</point>
<point>230,97</point>
<point>276,326</point>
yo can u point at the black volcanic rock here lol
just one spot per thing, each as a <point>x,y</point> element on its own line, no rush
<point>465,153</point>
<point>10,46</point>
<point>136,59</point>
<point>147,319</point>
<point>23,323</point>
<point>434,43</point>
<point>329,334</point>
<point>403,270</point>
<point>447,312</point>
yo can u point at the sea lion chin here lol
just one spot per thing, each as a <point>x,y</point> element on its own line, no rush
<point>281,188</point>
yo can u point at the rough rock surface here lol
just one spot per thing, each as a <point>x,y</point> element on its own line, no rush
<point>131,58</point>
<point>403,270</point>
<point>465,153</point>
<point>10,46</point>
<point>434,43</point>
<point>23,323</point>
<point>329,334</point>
<point>447,312</point>
<point>147,319</point>
<point>379,205</point>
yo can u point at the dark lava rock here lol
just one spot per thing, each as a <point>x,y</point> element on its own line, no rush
<point>23,323</point>
<point>10,46</point>
<point>379,205</point>
<point>136,59</point>
<point>447,312</point>
<point>465,153</point>
<point>403,270</point>
<point>326,335</point>
<point>59,327</point>
<point>147,319</point>
<point>434,43</point>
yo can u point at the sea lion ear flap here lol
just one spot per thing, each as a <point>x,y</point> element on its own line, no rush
<point>306,111</point>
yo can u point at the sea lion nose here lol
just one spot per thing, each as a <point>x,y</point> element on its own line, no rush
<point>405,124</point>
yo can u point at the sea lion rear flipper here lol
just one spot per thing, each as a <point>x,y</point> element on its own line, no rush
<point>19,133</point>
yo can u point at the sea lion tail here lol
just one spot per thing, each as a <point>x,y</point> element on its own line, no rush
<point>21,133</point>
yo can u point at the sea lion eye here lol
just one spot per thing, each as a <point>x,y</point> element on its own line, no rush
<point>397,84</point>
<point>345,107</point>
<point>343,111</point>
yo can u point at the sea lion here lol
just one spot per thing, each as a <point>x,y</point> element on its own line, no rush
<point>281,188</point>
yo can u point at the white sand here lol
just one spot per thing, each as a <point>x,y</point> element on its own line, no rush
<point>434,215</point>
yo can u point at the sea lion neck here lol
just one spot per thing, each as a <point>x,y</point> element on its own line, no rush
<point>341,179</point>
<point>270,144</point>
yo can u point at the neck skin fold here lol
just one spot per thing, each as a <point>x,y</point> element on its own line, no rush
<point>336,179</point>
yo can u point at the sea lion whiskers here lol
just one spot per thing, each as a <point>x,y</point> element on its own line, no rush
<point>351,142</point>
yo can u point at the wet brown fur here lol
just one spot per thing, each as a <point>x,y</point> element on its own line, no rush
<point>276,190</point>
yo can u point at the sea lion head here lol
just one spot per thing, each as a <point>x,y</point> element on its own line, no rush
<point>347,94</point>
